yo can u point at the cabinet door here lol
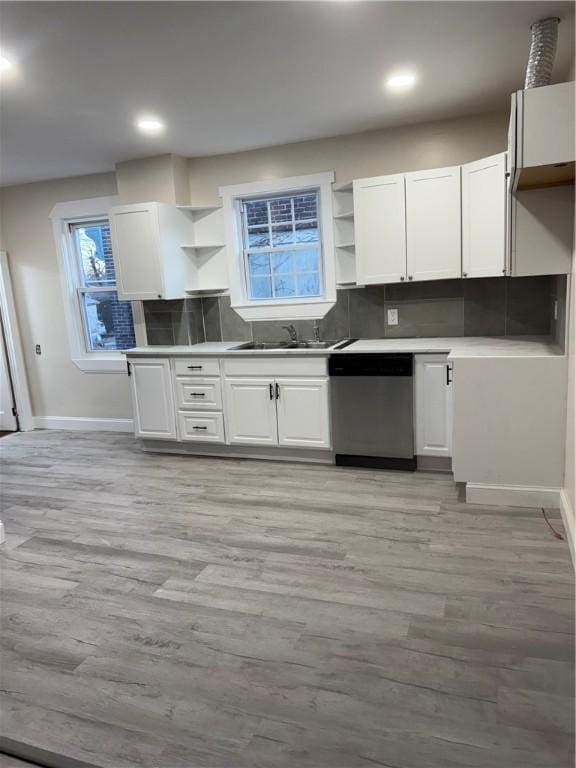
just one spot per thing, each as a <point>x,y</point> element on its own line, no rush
<point>303,413</point>
<point>484,217</point>
<point>250,411</point>
<point>152,398</point>
<point>380,230</point>
<point>433,224</point>
<point>136,250</point>
<point>433,411</point>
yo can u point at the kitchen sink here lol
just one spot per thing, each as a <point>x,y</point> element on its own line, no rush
<point>262,345</point>
<point>309,344</point>
<point>271,345</point>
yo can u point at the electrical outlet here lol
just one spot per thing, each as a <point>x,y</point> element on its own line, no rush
<point>392,317</point>
<point>38,349</point>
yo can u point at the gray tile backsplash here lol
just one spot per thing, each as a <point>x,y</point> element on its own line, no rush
<point>496,306</point>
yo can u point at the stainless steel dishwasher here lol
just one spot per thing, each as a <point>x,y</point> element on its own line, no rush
<point>372,401</point>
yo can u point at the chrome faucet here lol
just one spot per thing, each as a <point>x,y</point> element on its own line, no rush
<point>316,330</point>
<point>292,331</point>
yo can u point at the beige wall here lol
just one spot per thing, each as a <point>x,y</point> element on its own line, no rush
<point>411,148</point>
<point>162,179</point>
<point>57,386</point>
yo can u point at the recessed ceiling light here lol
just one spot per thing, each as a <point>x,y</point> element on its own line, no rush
<point>5,64</point>
<point>400,81</point>
<point>150,125</point>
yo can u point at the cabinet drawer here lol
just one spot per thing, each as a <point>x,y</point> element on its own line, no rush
<point>197,366</point>
<point>198,393</point>
<point>202,427</point>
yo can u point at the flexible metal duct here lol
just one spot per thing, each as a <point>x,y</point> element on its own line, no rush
<point>542,52</point>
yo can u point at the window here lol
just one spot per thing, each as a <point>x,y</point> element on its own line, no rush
<point>282,246</point>
<point>107,322</point>
<point>99,326</point>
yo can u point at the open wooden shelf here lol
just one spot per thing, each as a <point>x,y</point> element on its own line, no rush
<point>541,176</point>
<point>344,215</point>
<point>204,246</point>
<point>345,187</point>
<point>345,245</point>
<point>199,208</point>
<point>218,289</point>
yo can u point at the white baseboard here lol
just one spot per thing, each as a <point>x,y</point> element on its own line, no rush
<point>83,425</point>
<point>569,522</point>
<point>512,495</point>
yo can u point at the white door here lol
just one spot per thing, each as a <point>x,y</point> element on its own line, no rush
<point>152,397</point>
<point>136,251</point>
<point>433,224</point>
<point>303,413</point>
<point>433,405</point>
<point>250,411</point>
<point>484,217</point>
<point>7,417</point>
<point>380,229</point>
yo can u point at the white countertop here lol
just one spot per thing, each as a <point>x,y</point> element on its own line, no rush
<point>455,347</point>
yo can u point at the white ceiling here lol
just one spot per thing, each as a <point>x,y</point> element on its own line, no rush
<point>240,75</point>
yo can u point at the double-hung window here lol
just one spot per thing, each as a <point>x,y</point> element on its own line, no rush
<point>282,247</point>
<point>106,322</point>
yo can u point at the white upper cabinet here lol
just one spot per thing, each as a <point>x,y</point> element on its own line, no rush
<point>147,242</point>
<point>541,138</point>
<point>154,415</point>
<point>303,413</point>
<point>380,229</point>
<point>484,217</point>
<point>136,249</point>
<point>250,411</point>
<point>433,240</point>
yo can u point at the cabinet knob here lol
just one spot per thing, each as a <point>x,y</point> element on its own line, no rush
<point>464,274</point>
<point>409,277</point>
<point>402,277</point>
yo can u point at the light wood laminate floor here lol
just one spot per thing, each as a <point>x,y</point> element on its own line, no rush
<point>172,612</point>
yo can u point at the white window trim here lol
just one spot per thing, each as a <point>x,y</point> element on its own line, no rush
<point>62,215</point>
<point>314,307</point>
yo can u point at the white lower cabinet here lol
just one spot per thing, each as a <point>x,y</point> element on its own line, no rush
<point>303,413</point>
<point>201,426</point>
<point>284,411</point>
<point>154,413</point>
<point>250,406</point>
<point>282,403</point>
<point>433,405</point>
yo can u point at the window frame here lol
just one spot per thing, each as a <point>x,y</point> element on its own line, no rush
<point>63,216</point>
<point>289,247</point>
<point>285,308</point>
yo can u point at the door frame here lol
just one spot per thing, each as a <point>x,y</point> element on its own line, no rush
<point>14,352</point>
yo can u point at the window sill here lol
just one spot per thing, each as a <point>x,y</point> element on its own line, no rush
<point>101,364</point>
<point>314,310</point>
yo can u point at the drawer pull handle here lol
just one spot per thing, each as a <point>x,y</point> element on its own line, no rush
<point>271,391</point>
<point>199,427</point>
<point>277,392</point>
<point>195,367</point>
<point>197,394</point>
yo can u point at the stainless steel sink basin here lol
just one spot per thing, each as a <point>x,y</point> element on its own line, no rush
<point>309,344</point>
<point>262,345</point>
<point>271,345</point>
